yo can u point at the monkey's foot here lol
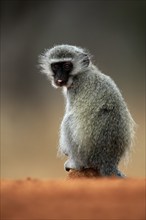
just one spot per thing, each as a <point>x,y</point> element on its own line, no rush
<point>120,174</point>
<point>72,165</point>
<point>112,172</point>
<point>68,165</point>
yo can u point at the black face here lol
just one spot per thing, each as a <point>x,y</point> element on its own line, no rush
<point>61,71</point>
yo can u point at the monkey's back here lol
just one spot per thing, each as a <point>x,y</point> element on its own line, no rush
<point>97,117</point>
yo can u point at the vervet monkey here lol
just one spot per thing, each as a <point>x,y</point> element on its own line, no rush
<point>97,129</point>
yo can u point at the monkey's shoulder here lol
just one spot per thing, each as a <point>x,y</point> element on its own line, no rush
<point>97,88</point>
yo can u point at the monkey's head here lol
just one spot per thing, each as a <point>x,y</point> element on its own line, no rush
<point>63,62</point>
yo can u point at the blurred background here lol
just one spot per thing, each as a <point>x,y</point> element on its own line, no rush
<point>31,110</point>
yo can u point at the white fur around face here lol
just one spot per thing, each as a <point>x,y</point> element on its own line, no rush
<point>77,58</point>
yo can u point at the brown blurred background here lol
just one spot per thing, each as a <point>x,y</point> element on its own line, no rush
<point>31,110</point>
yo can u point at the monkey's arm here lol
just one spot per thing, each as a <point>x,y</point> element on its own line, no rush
<point>66,140</point>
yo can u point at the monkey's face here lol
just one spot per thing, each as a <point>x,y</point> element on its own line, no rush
<point>62,63</point>
<point>61,73</point>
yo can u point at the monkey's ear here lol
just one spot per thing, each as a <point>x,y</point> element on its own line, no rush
<point>86,60</point>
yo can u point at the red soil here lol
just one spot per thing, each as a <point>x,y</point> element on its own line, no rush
<point>75,198</point>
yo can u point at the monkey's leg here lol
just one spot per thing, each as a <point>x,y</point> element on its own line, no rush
<point>110,143</point>
<point>105,165</point>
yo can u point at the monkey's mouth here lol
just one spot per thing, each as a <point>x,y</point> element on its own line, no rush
<point>67,82</point>
<point>61,82</point>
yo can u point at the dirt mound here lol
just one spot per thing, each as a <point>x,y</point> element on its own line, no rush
<point>79,198</point>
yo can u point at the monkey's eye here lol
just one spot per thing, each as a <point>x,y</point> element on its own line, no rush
<point>67,66</point>
<point>54,66</point>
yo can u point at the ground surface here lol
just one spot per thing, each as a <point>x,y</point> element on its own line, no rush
<point>74,198</point>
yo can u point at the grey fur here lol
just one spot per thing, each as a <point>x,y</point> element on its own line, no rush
<point>97,129</point>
